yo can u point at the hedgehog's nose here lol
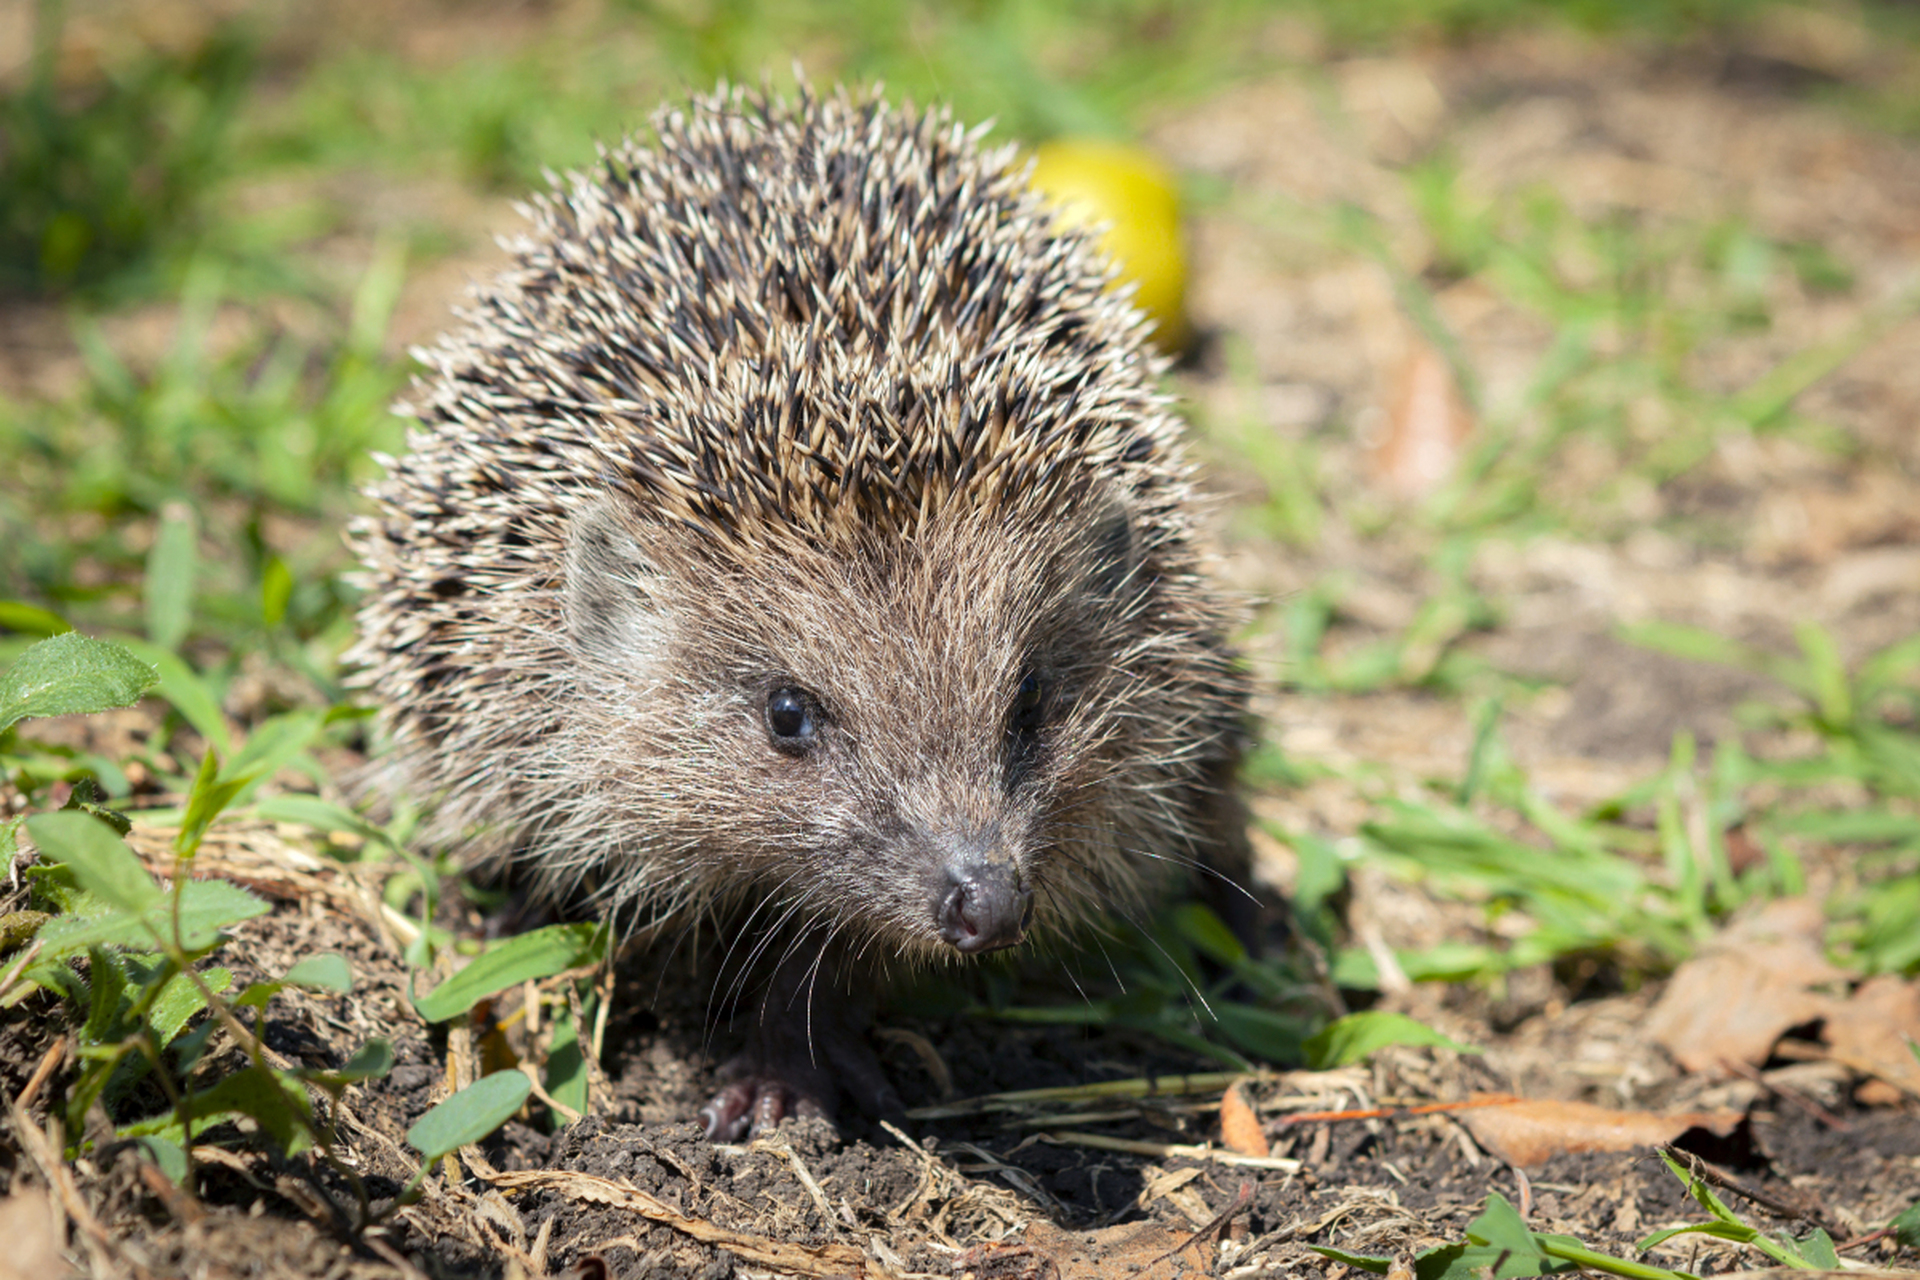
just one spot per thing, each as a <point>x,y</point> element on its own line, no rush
<point>984,907</point>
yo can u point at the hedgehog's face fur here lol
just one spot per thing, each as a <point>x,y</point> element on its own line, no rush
<point>920,745</point>
<point>798,527</point>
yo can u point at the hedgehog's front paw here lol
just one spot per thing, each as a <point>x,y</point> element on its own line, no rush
<point>799,1062</point>
<point>754,1103</point>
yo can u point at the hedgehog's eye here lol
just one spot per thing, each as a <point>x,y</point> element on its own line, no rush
<point>1029,704</point>
<point>790,719</point>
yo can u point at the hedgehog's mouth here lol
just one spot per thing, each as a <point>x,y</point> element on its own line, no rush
<point>982,906</point>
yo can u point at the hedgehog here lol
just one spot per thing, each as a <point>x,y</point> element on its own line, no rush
<point>796,538</point>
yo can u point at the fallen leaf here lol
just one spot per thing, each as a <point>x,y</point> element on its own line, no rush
<point>1240,1128</point>
<point>1872,1031</point>
<point>34,1237</point>
<point>1530,1131</point>
<point>1427,423</point>
<point>1140,1251</point>
<point>1733,1000</point>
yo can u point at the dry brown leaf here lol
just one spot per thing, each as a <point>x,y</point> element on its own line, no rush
<point>1732,1001</point>
<point>1872,1030</point>
<point>1529,1132</point>
<point>1240,1128</point>
<point>1427,423</point>
<point>34,1233</point>
<point>1142,1251</point>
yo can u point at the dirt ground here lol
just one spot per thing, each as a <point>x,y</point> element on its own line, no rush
<point>1760,535</point>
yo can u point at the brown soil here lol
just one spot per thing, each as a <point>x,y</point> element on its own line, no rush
<point>930,1205</point>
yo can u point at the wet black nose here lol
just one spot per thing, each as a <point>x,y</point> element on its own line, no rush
<point>983,908</point>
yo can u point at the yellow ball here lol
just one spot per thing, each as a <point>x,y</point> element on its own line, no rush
<point>1091,181</point>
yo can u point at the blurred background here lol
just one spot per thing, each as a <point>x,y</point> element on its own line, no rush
<point>1556,365</point>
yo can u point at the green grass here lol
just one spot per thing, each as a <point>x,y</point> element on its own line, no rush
<point>102,185</point>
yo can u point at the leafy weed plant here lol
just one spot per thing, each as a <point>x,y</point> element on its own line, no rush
<point>144,983</point>
<point>149,1011</point>
<point>1499,1243</point>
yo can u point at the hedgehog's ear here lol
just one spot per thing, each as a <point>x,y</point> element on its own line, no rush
<point>1114,552</point>
<point>608,606</point>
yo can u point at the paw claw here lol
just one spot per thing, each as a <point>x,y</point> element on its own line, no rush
<point>753,1106</point>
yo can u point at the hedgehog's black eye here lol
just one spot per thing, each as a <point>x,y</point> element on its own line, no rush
<point>790,719</point>
<point>1029,704</point>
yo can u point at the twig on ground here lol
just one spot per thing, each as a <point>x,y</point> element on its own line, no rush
<point>1170,1150</point>
<point>55,1053</point>
<point>1241,1200</point>
<point>1794,1096</point>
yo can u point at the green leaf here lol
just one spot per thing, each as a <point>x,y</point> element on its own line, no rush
<point>1359,1261</point>
<point>31,619</point>
<point>1354,1037</point>
<point>1500,1225</point>
<point>1882,669</point>
<point>327,972</point>
<point>108,992</point>
<point>374,1059</point>
<point>274,743</point>
<point>257,994</point>
<point>55,976</point>
<point>211,793</point>
<point>274,1100</point>
<point>539,954</point>
<point>1208,935</point>
<point>170,1157</point>
<point>470,1114</point>
<point>187,692</point>
<point>1818,1250</point>
<point>187,1050</point>
<point>206,907</point>
<point>171,567</point>
<point>1906,1227</point>
<point>86,798</point>
<point>276,589</point>
<point>567,1063</point>
<point>1262,1032</point>
<point>1698,645</point>
<point>181,999</point>
<point>1702,1193</point>
<point>1462,1261</point>
<point>1826,674</point>
<point>322,815</point>
<point>99,858</point>
<point>1721,1230</point>
<point>71,674</point>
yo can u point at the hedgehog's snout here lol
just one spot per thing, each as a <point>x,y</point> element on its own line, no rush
<point>982,906</point>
